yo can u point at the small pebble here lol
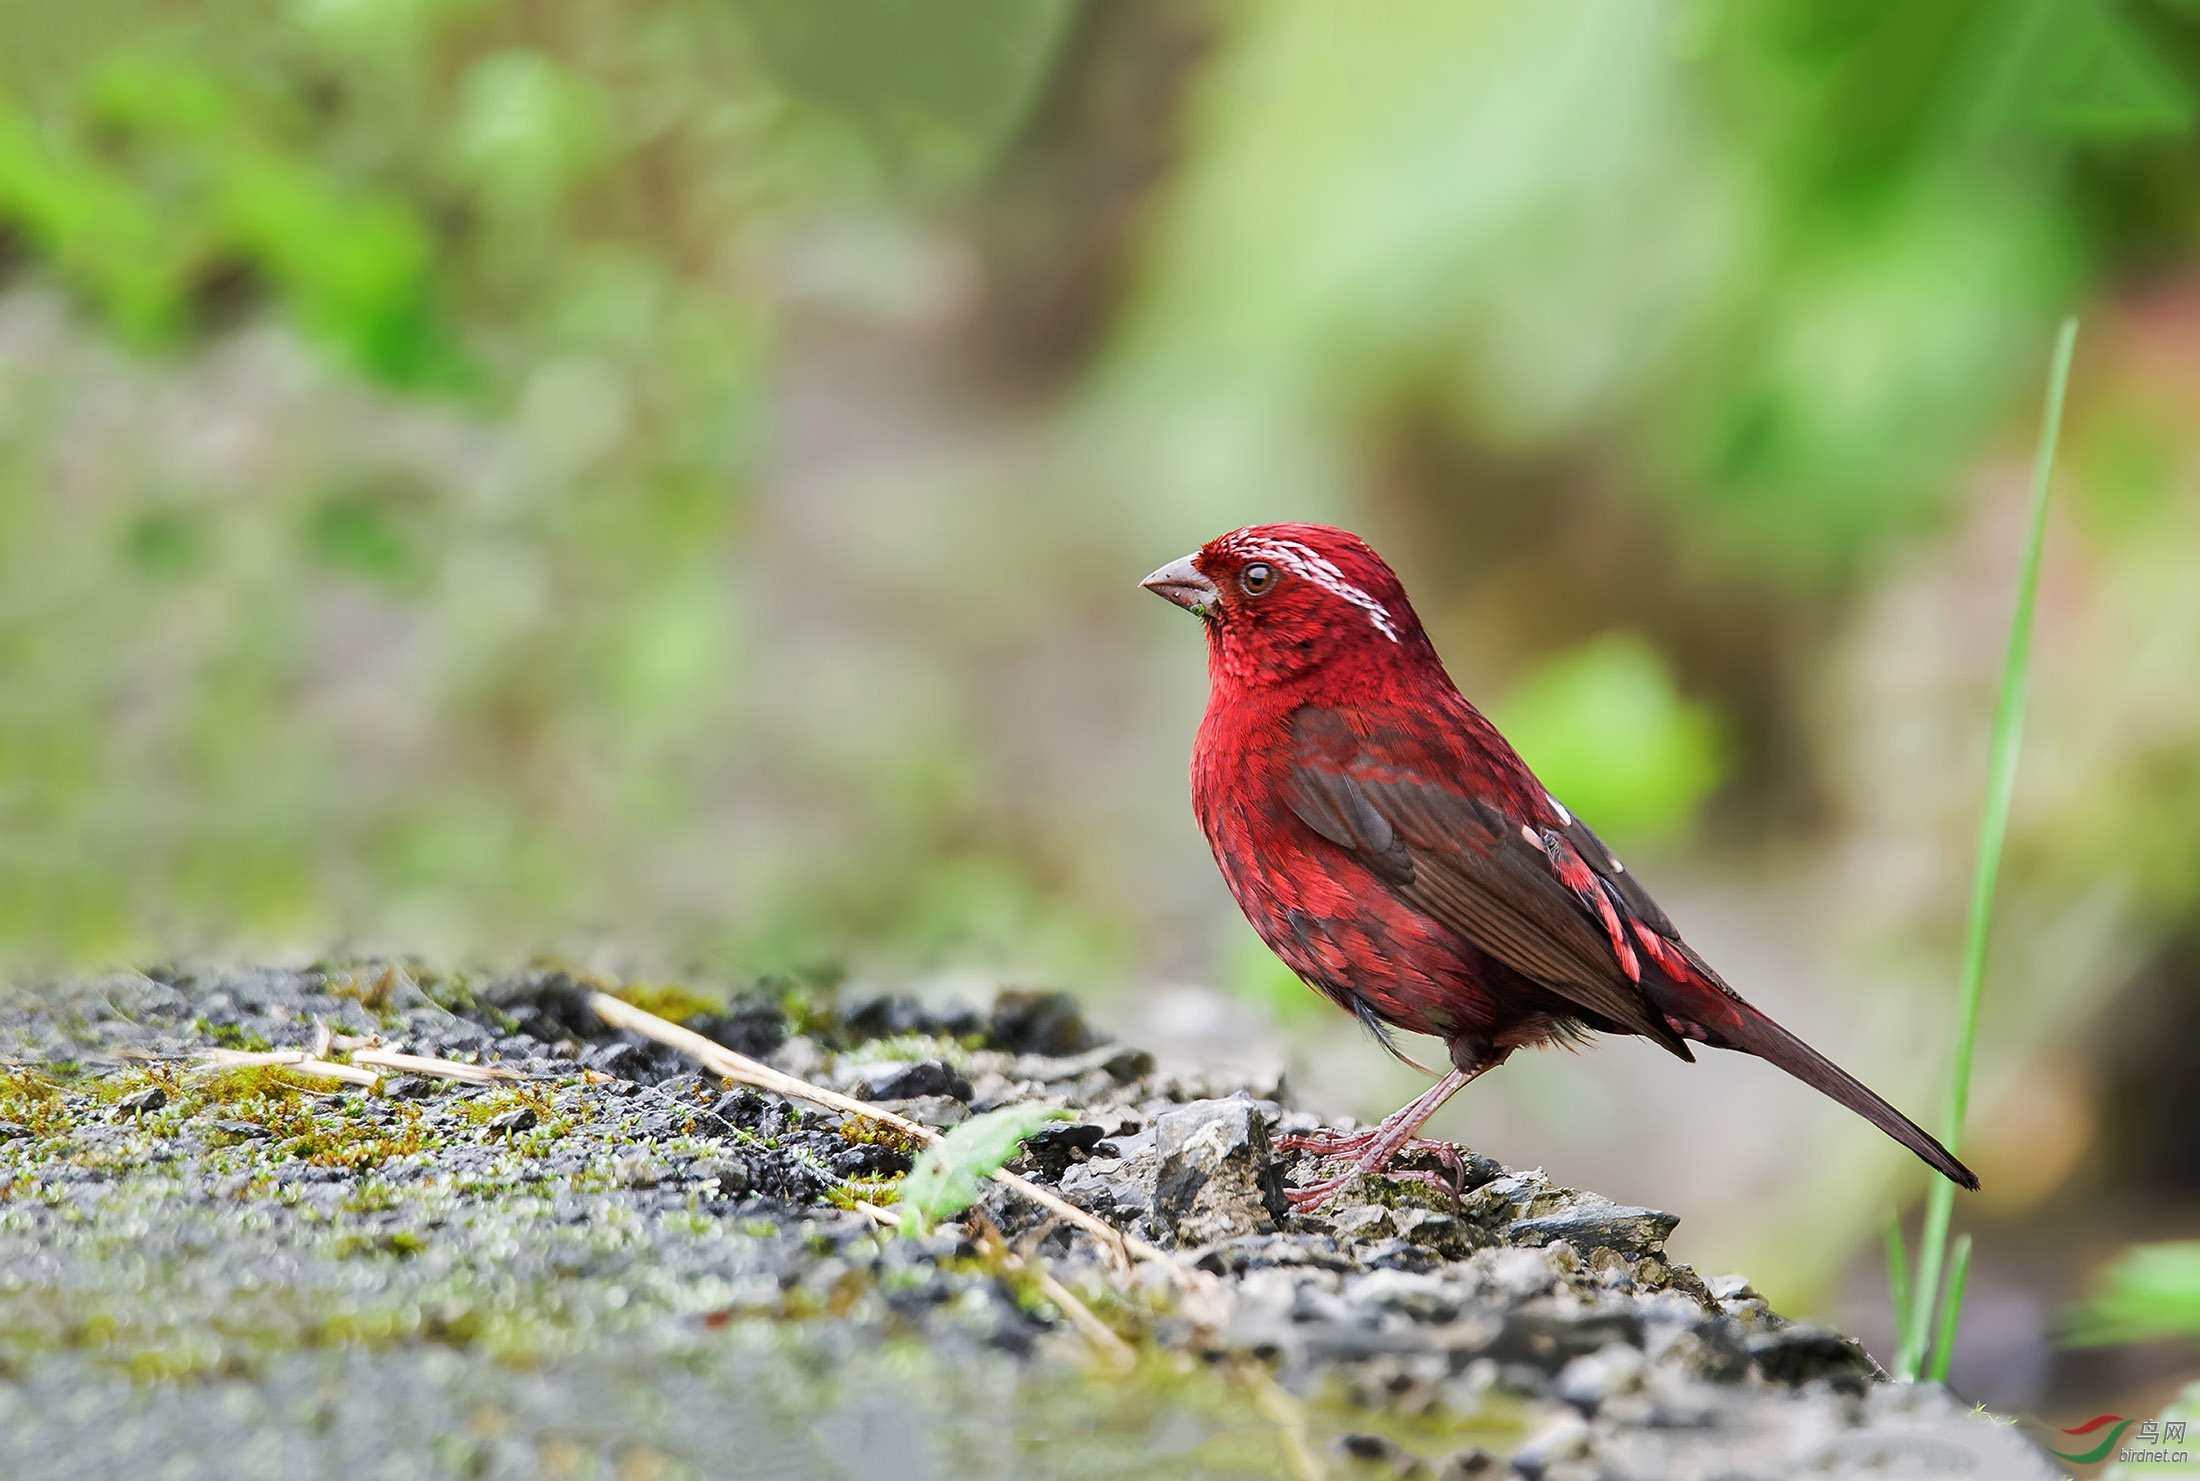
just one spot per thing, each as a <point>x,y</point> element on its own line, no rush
<point>522,1119</point>
<point>869,1160</point>
<point>918,1078</point>
<point>1472,1464</point>
<point>734,1175</point>
<point>1360,1445</point>
<point>138,1102</point>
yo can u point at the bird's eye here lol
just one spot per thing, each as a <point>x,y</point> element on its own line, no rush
<point>1257,578</point>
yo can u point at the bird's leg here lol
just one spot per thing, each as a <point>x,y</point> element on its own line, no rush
<point>1373,1149</point>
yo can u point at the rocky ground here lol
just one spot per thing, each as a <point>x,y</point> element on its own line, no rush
<point>609,1265</point>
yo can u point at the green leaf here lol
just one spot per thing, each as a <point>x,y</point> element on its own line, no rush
<point>2150,1293</point>
<point>528,129</point>
<point>1608,732</point>
<point>963,72</point>
<point>945,1180</point>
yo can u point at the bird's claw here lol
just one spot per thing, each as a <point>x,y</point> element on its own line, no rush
<point>1374,1159</point>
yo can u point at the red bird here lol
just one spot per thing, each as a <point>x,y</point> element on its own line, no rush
<point>1388,844</point>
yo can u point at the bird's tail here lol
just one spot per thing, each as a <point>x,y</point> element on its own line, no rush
<point>1753,1033</point>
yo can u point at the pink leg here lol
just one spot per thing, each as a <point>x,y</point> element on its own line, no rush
<point>1373,1149</point>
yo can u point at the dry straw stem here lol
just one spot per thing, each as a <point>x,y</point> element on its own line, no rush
<point>444,1069</point>
<point>720,1060</point>
<point>297,1061</point>
<point>1287,1415</point>
<point>303,1062</point>
<point>1113,1350</point>
<point>1114,1353</point>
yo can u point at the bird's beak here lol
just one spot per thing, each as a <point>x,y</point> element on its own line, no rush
<point>1181,583</point>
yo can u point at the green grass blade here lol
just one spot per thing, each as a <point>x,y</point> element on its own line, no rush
<point>2001,781</point>
<point>1898,1269</point>
<point>1951,1306</point>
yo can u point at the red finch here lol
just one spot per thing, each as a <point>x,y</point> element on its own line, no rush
<point>1388,844</point>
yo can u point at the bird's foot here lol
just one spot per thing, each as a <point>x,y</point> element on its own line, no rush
<point>1314,1195</point>
<point>1344,1143</point>
<point>1372,1151</point>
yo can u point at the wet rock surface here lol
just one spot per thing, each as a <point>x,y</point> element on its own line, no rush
<point>611,1256</point>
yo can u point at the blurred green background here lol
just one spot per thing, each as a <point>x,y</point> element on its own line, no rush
<point>664,483</point>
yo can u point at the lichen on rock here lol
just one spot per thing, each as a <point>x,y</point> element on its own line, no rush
<point>611,1216</point>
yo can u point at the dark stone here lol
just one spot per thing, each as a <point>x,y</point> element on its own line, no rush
<point>408,1087</point>
<point>911,1080</point>
<point>609,1057</point>
<point>632,1057</point>
<point>520,1119</point>
<point>1360,1445</point>
<point>1549,1341</point>
<point>957,1021</point>
<point>1026,1022</point>
<point>10,1130</point>
<point>734,1175</point>
<point>754,1029</point>
<point>1471,1464</point>
<point>243,1129</point>
<point>547,1005</point>
<point>1594,1222</point>
<point>308,1173</point>
<point>887,1016</point>
<point>1127,1065</point>
<point>737,1108</point>
<point>1272,1251</point>
<point>138,1102</point>
<point>894,1015</point>
<point>790,1181</point>
<point>869,1160</point>
<point>1052,1151</point>
<point>656,1064</point>
<point>1217,1177</point>
<point>1712,1350</point>
<point>1799,1352</point>
<point>1118,1184</point>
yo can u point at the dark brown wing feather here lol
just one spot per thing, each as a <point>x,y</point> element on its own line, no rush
<point>1459,861</point>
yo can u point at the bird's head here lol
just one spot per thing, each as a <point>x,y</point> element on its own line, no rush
<point>1282,600</point>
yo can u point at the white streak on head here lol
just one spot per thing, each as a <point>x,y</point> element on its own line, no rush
<point>1323,572</point>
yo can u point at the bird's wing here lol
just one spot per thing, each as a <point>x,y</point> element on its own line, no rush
<point>1543,896</point>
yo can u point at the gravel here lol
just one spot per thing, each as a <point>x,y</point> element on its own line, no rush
<point>613,1265</point>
